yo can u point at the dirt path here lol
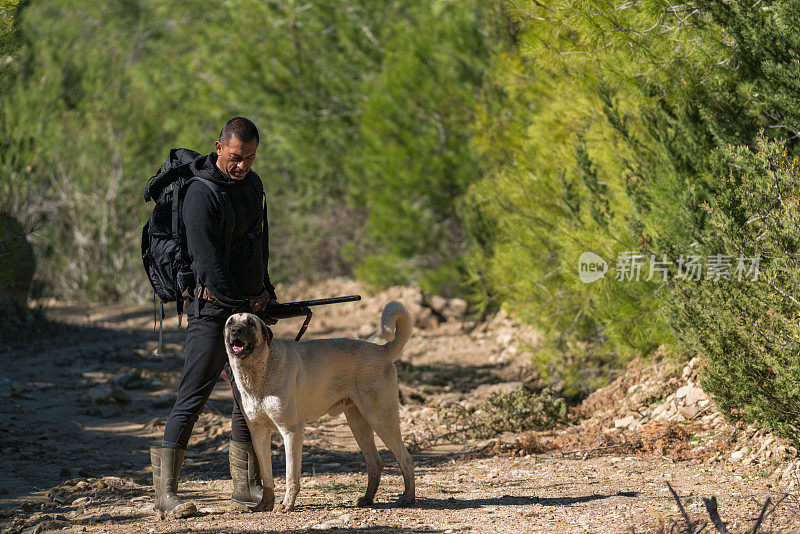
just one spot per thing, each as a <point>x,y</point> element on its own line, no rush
<point>78,410</point>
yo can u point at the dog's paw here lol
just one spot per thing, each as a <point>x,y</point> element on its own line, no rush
<point>406,501</point>
<point>266,505</point>
<point>364,501</point>
<point>284,509</point>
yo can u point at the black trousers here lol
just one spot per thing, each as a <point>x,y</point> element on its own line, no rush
<point>205,359</point>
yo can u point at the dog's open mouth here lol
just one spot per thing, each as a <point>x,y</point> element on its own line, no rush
<point>239,347</point>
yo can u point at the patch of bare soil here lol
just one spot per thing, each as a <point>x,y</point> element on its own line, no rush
<point>79,407</point>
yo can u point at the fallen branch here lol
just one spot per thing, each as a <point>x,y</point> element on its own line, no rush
<point>701,412</point>
<point>664,456</point>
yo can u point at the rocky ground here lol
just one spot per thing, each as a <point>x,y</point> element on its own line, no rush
<point>80,404</point>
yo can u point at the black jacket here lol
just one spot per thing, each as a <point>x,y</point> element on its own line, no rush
<point>246,273</point>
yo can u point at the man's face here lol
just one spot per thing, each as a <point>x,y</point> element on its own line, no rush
<point>235,157</point>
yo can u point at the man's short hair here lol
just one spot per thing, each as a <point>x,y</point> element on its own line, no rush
<point>243,129</point>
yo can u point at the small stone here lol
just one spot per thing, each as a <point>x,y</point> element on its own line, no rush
<point>98,395</point>
<point>625,422</point>
<point>120,395</point>
<point>54,524</point>
<point>658,410</point>
<point>184,510</point>
<point>694,395</point>
<point>682,391</point>
<point>123,379</point>
<point>738,455</point>
<point>456,308</point>
<point>105,517</point>
<point>437,303</point>
<point>164,400</point>
<point>688,411</point>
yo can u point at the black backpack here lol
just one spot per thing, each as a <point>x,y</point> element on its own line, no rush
<point>164,250</point>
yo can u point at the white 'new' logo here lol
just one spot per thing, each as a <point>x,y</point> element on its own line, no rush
<point>591,267</point>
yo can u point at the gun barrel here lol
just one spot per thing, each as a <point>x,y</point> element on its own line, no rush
<point>329,300</point>
<point>284,310</point>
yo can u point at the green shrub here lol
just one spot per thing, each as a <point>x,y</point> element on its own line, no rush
<point>746,325</point>
<point>518,411</point>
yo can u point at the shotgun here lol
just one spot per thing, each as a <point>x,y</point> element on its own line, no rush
<point>285,310</point>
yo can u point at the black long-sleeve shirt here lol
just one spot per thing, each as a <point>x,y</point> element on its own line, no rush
<point>246,273</point>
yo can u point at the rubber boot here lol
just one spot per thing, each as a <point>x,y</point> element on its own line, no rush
<point>167,465</point>
<point>247,488</point>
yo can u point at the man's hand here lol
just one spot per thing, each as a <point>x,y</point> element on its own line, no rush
<point>260,302</point>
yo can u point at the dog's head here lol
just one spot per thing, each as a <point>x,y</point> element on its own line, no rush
<point>244,333</point>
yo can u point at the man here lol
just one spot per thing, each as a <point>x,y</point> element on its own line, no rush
<point>240,284</point>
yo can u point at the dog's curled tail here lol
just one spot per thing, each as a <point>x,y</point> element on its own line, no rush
<point>396,327</point>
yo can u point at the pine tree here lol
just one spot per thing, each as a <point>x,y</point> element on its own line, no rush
<point>416,158</point>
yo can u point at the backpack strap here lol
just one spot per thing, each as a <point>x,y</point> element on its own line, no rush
<point>264,222</point>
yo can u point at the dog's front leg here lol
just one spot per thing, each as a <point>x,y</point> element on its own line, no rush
<point>261,443</point>
<point>293,444</point>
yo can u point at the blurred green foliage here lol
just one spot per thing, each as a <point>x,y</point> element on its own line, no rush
<point>364,110</point>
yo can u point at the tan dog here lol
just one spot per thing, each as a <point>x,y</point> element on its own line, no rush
<point>285,384</point>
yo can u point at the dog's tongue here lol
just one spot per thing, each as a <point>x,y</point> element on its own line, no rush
<point>238,346</point>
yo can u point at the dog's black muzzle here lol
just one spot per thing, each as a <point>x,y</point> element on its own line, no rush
<point>240,340</point>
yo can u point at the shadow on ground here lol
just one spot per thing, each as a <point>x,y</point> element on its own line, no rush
<point>50,433</point>
<point>453,503</point>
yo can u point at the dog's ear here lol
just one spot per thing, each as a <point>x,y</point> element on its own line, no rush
<point>266,333</point>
